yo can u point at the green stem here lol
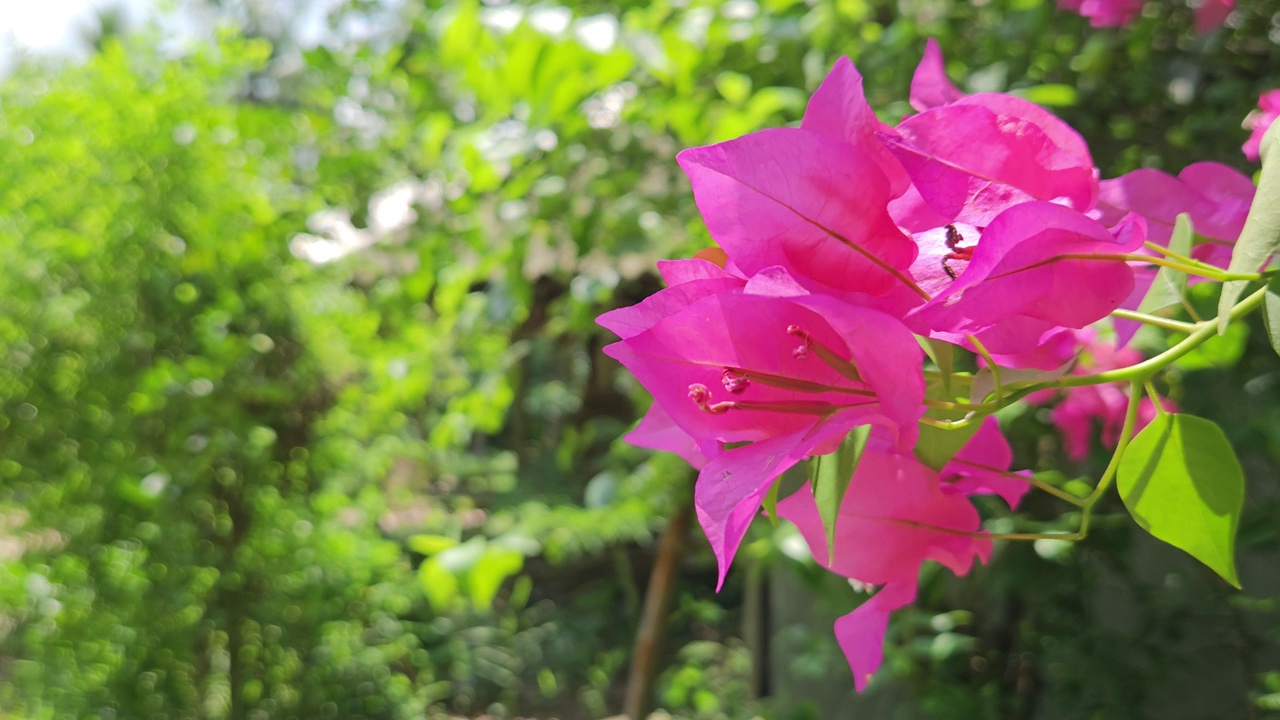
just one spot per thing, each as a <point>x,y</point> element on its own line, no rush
<point>1155,397</point>
<point>1187,259</point>
<point>1206,271</point>
<point>1149,367</point>
<point>965,421</point>
<point>1126,432</point>
<point>997,388</point>
<point>957,405</point>
<point>1156,320</point>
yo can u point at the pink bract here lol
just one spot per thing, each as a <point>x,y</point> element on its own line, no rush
<point>1037,267</point>
<point>982,467</point>
<point>1259,120</point>
<point>804,201</point>
<point>970,157</point>
<point>895,515</point>
<point>839,110</point>
<point>657,431</point>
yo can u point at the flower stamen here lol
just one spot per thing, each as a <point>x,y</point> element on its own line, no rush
<point>702,396</point>
<point>824,353</point>
<point>734,380</point>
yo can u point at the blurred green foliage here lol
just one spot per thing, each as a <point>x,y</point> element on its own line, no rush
<point>302,407</point>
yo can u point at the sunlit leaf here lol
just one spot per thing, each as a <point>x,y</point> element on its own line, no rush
<point>1182,483</point>
<point>1271,312</point>
<point>490,571</point>
<point>1261,234</point>
<point>770,504</point>
<point>438,584</point>
<point>430,544</point>
<point>937,446</point>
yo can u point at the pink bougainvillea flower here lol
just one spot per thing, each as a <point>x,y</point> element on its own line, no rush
<point>1084,407</point>
<point>805,201</point>
<point>1053,350</point>
<point>674,272</point>
<point>839,110</point>
<point>930,86</point>
<point>1036,268</point>
<point>1104,13</point>
<point>789,375</point>
<point>895,515</point>
<point>1215,197</point>
<point>970,163</point>
<point>970,157</point>
<point>1212,13</point>
<point>982,467</point>
<point>1259,120</point>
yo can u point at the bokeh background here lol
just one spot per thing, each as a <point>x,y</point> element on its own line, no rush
<point>303,412</point>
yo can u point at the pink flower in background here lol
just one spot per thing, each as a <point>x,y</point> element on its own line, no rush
<point>982,467</point>
<point>1104,13</point>
<point>1212,13</point>
<point>1117,13</point>
<point>1215,197</point>
<point>1084,408</point>
<point>1258,122</point>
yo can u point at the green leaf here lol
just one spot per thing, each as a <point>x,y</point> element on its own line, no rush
<point>430,544</point>
<point>1271,312</point>
<point>937,446</point>
<point>771,502</point>
<point>734,87</point>
<point>943,355</point>
<point>1170,285</point>
<point>494,566</point>
<point>831,474</point>
<point>439,585</point>
<point>1182,483</point>
<point>1050,94</point>
<point>1261,234</point>
<point>1219,351</point>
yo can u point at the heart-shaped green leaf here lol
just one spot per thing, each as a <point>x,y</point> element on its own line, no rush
<point>1182,483</point>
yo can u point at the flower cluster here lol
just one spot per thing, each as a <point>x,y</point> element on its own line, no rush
<point>1209,14</point>
<point>979,221</point>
